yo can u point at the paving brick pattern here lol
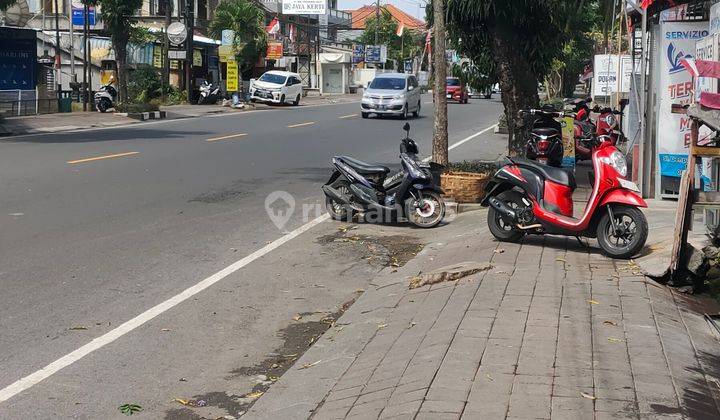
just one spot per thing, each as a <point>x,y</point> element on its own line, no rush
<point>553,331</point>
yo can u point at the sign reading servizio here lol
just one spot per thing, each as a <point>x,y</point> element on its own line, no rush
<point>304,7</point>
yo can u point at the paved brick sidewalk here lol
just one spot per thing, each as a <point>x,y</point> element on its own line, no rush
<point>553,330</point>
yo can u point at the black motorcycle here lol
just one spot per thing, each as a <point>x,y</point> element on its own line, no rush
<point>356,187</point>
<point>543,136</point>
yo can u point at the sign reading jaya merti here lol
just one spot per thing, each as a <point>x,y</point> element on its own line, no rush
<point>304,7</point>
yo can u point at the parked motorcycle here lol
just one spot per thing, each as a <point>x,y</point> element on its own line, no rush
<point>105,98</point>
<point>606,127</point>
<point>356,187</point>
<point>528,198</point>
<point>544,136</point>
<point>209,93</point>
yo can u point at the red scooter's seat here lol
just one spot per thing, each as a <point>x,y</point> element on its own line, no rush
<point>557,175</point>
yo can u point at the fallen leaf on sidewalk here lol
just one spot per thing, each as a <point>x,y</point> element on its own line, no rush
<point>593,302</point>
<point>381,326</point>
<point>498,251</point>
<point>487,375</point>
<point>614,324</point>
<point>254,395</point>
<point>588,396</point>
<point>561,259</point>
<point>309,365</point>
<point>297,317</point>
<point>182,401</point>
<point>165,329</point>
<point>614,340</point>
<point>412,324</point>
<point>78,328</point>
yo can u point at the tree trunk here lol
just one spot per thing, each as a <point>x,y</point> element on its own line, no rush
<point>518,83</point>
<point>440,123</point>
<point>120,48</point>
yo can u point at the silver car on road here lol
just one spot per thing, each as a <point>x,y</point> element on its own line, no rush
<point>392,94</point>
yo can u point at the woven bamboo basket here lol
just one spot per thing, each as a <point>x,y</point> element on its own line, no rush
<point>464,187</point>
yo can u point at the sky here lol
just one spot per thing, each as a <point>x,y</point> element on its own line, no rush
<point>411,7</point>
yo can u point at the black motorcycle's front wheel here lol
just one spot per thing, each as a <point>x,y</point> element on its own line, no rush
<point>426,209</point>
<point>337,210</point>
<point>499,227</point>
<point>626,236</point>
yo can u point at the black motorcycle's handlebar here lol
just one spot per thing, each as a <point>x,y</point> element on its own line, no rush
<point>541,112</point>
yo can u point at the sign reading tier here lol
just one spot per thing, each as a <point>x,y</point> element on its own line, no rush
<point>304,7</point>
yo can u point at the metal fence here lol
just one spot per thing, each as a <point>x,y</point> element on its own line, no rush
<point>15,103</point>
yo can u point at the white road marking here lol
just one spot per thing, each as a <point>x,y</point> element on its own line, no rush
<point>107,338</point>
<point>465,140</point>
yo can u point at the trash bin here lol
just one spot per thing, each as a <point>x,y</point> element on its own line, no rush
<point>65,105</point>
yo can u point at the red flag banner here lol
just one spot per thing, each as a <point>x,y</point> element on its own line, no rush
<point>646,3</point>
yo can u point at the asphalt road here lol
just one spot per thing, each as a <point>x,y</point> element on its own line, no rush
<point>99,226</point>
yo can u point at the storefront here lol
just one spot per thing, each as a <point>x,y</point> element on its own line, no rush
<point>335,70</point>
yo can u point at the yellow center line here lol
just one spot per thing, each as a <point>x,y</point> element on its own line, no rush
<point>231,136</point>
<point>92,159</point>
<point>348,116</point>
<point>301,124</point>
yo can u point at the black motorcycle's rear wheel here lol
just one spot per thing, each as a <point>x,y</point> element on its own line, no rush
<point>500,228</point>
<point>630,235</point>
<point>340,211</point>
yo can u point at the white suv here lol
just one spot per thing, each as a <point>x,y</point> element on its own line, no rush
<point>277,87</point>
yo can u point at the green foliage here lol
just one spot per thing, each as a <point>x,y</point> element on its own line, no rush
<point>473,76</point>
<point>118,19</point>
<point>141,35</point>
<point>248,21</point>
<point>144,84</point>
<point>399,48</point>
<point>130,409</point>
<point>175,96</point>
<point>4,4</point>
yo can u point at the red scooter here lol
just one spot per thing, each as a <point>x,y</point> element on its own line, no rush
<point>585,131</point>
<point>530,198</point>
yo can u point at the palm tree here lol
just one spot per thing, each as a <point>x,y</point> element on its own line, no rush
<point>247,20</point>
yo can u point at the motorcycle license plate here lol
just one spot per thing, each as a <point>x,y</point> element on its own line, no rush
<point>449,96</point>
<point>628,185</point>
<point>544,161</point>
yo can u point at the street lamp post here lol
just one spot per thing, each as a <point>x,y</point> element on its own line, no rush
<point>189,18</point>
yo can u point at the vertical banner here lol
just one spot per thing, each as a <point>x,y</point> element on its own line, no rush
<point>675,84</point>
<point>232,76</point>
<point>568,137</point>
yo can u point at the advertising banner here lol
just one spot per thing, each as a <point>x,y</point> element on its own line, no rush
<point>568,137</point>
<point>274,51</point>
<point>226,53</point>
<point>227,36</point>
<point>304,7</point>
<point>358,53</point>
<point>231,83</point>
<point>673,130</point>
<point>609,76</point>
<point>375,53</point>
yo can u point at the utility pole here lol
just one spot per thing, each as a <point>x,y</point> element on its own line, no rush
<point>86,56</point>
<point>72,45</point>
<point>440,124</point>
<point>58,67</point>
<point>166,48</point>
<point>377,21</point>
<point>190,21</point>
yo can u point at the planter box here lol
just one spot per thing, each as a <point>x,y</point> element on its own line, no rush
<point>464,187</point>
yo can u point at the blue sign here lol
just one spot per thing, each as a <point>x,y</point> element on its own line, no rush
<point>18,58</point>
<point>358,53</point>
<point>78,16</point>
<point>373,54</point>
<point>672,164</point>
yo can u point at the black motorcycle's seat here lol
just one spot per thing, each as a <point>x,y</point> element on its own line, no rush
<point>557,175</point>
<point>364,167</point>
<point>545,131</point>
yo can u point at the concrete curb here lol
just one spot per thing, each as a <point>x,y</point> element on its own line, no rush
<point>144,116</point>
<point>462,207</point>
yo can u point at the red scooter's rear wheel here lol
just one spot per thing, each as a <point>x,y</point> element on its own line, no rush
<point>501,229</point>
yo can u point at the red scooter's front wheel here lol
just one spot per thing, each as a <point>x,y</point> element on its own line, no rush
<point>624,238</point>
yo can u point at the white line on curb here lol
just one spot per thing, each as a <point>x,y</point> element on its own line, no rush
<point>107,338</point>
<point>112,335</point>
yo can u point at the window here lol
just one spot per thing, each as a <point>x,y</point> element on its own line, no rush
<point>273,78</point>
<point>388,83</point>
<point>453,81</point>
<point>413,81</point>
<point>49,6</point>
